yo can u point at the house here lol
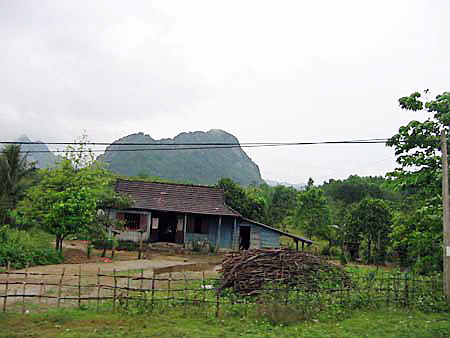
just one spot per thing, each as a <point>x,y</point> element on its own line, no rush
<point>184,214</point>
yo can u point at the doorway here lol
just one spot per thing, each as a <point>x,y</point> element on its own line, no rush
<point>244,237</point>
<point>167,227</point>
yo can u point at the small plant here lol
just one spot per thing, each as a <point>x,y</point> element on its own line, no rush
<point>212,249</point>
<point>342,259</point>
<point>198,246</point>
<point>202,246</point>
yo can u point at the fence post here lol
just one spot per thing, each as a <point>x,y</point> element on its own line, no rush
<point>128,287</point>
<point>388,289</point>
<point>98,289</point>
<point>185,292</point>
<point>168,285</point>
<point>153,290</point>
<point>115,290</point>
<point>203,288</point>
<point>44,291</point>
<point>60,287</point>
<point>79,286</point>
<point>406,294</point>
<point>41,292</point>
<point>217,302</point>
<point>6,289</point>
<point>24,288</point>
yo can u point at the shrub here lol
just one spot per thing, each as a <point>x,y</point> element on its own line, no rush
<point>20,248</point>
<point>330,251</point>
<point>120,245</point>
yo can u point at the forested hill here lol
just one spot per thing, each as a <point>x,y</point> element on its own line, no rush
<point>43,158</point>
<point>203,166</point>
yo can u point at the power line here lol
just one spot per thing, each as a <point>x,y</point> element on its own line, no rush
<point>184,146</point>
<point>373,140</point>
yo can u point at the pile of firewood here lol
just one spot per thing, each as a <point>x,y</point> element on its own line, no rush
<point>249,272</point>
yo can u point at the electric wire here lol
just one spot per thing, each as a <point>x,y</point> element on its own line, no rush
<point>181,146</point>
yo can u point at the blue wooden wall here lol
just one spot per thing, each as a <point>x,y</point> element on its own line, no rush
<point>260,237</point>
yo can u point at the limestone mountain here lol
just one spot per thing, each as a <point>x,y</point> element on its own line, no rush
<point>180,158</point>
<point>43,158</point>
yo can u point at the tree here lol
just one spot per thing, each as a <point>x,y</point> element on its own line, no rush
<point>419,175</point>
<point>15,172</point>
<point>417,146</point>
<point>100,228</point>
<point>354,189</point>
<point>249,204</point>
<point>281,204</point>
<point>64,202</point>
<point>312,213</point>
<point>415,238</point>
<point>343,194</point>
<point>370,219</point>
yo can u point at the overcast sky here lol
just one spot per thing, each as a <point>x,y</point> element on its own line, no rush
<point>265,71</point>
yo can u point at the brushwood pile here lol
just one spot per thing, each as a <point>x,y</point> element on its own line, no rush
<point>251,271</point>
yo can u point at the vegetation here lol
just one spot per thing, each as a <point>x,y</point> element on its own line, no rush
<point>417,231</point>
<point>15,173</point>
<point>21,248</point>
<point>370,220</point>
<point>393,219</point>
<point>176,323</point>
<point>64,201</point>
<point>312,214</point>
<point>390,303</point>
<point>366,310</point>
<point>201,166</point>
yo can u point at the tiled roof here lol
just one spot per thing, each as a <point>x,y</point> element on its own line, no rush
<point>194,199</point>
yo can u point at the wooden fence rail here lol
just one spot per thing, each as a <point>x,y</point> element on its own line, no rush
<point>19,290</point>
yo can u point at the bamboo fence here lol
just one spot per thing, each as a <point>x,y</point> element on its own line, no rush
<point>22,291</point>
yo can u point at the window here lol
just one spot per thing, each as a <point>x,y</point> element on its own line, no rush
<point>197,224</point>
<point>132,221</point>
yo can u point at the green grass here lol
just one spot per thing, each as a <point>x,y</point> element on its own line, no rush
<point>174,323</point>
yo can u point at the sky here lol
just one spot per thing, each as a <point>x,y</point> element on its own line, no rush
<point>264,71</point>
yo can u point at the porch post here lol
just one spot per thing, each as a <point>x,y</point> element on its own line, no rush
<point>148,231</point>
<point>184,230</point>
<point>219,227</point>
<point>235,239</point>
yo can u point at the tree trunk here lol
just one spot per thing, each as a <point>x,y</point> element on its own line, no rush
<point>369,251</point>
<point>58,239</point>
<point>105,243</point>
<point>59,242</point>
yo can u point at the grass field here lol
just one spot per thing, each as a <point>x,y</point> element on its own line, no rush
<point>84,323</point>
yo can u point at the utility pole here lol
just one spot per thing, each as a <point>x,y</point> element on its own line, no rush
<point>446,215</point>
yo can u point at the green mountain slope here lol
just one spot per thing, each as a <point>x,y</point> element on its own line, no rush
<point>203,166</point>
<point>43,159</point>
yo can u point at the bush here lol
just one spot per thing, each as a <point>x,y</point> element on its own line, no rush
<point>330,251</point>
<point>426,265</point>
<point>20,248</point>
<point>120,245</point>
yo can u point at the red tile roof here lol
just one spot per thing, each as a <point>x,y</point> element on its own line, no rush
<point>184,198</point>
